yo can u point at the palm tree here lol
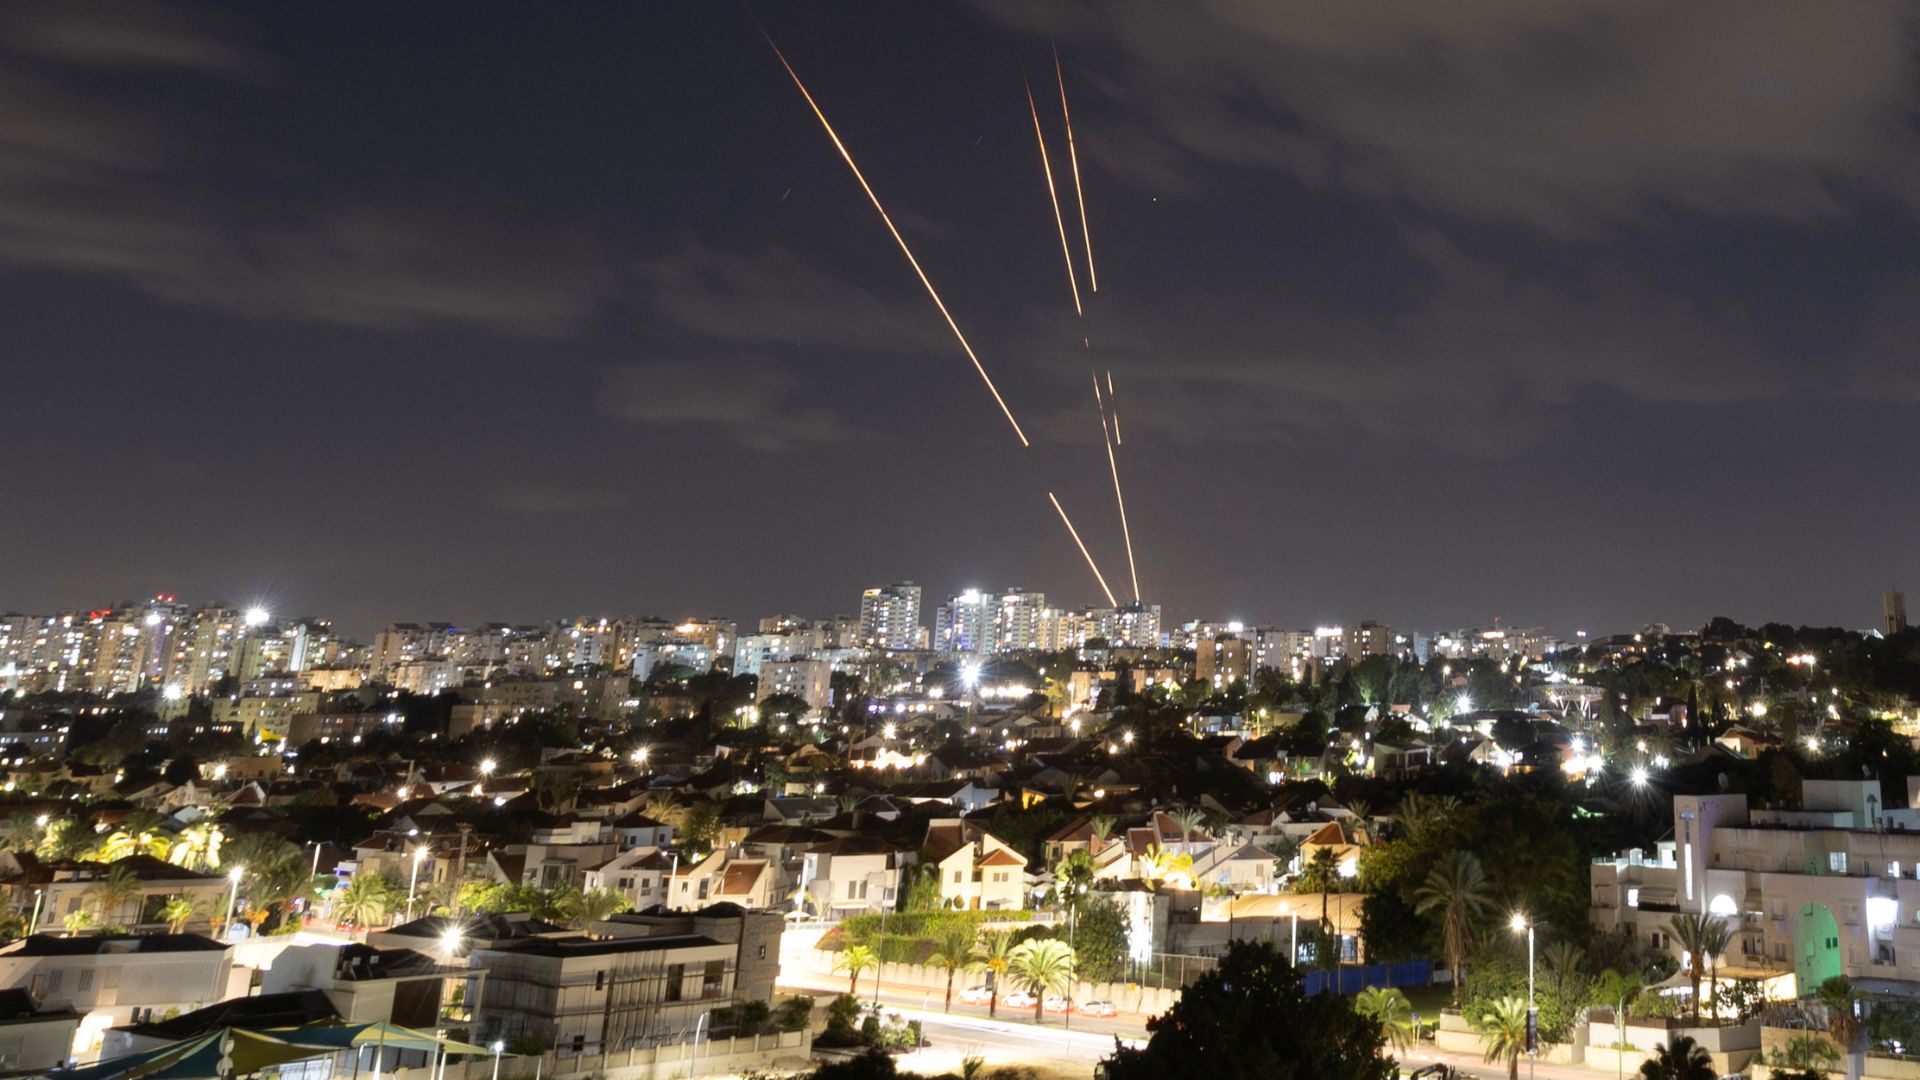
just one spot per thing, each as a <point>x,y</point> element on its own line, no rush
<point>1189,821</point>
<point>1042,965</point>
<point>1562,960</point>
<point>1618,990</point>
<point>1072,878</point>
<point>854,960</point>
<point>993,954</point>
<point>1503,1024</point>
<point>1159,864</point>
<point>77,921</point>
<point>1838,995</point>
<point>953,949</point>
<point>1388,1007</point>
<point>1101,825</point>
<point>364,900</point>
<point>180,911</point>
<point>122,843</point>
<point>278,872</point>
<point>197,847</point>
<point>590,907</point>
<point>1809,1053</point>
<point>1702,936</point>
<point>68,838</point>
<point>1457,888</point>
<point>22,830</point>
<point>113,892</point>
<point>1680,1059</point>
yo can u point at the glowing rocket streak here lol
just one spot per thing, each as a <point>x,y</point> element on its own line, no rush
<point>898,239</point>
<point>1117,440</point>
<point>1075,533</point>
<point>1073,156</point>
<point>1120,500</point>
<point>1058,221</point>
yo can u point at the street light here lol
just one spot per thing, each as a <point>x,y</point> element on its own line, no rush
<point>419,856</point>
<point>233,898</point>
<point>1520,923</point>
<point>496,1048</point>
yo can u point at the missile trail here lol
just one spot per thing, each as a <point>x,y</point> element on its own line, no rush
<point>1113,465</point>
<point>1058,221</point>
<point>1075,533</point>
<point>847,156</point>
<point>1073,156</point>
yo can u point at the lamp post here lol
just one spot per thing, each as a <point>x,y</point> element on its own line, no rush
<point>1522,923</point>
<point>419,856</point>
<point>233,898</point>
<point>496,1048</point>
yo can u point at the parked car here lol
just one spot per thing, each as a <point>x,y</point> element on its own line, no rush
<point>1017,999</point>
<point>1054,1003</point>
<point>1435,1072</point>
<point>977,995</point>
<point>1099,1008</point>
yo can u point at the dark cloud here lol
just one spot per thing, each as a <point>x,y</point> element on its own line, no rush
<point>1562,115</point>
<point>541,498</point>
<point>754,403</point>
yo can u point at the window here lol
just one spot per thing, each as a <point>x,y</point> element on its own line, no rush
<point>713,981</point>
<point>956,877</point>
<point>599,980</point>
<point>676,975</point>
<point>1836,862</point>
<point>762,954</point>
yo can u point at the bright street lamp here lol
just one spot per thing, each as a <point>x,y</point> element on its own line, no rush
<point>1638,775</point>
<point>419,856</point>
<point>1519,924</point>
<point>233,898</point>
<point>497,1047</point>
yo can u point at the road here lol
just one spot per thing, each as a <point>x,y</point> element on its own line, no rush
<point>1057,1049</point>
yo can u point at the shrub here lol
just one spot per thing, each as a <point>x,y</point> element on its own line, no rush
<point>795,1014</point>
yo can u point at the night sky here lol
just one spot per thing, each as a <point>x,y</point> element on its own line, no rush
<point>1577,314</point>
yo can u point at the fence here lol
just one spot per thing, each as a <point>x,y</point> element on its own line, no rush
<point>1353,978</point>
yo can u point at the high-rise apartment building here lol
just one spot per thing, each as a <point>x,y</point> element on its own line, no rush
<point>890,616</point>
<point>964,624</point>
<point>1016,620</point>
<point>1893,612</point>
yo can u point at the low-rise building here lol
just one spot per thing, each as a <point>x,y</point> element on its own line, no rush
<point>1832,888</point>
<point>642,980</point>
<point>117,979</point>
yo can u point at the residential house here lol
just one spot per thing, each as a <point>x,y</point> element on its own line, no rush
<point>977,870</point>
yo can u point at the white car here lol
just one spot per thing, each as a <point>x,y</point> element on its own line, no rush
<point>1099,1008</point>
<point>1017,999</point>
<point>1057,1004</point>
<point>977,995</point>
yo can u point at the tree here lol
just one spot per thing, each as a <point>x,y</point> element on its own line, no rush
<point>1250,1019</point>
<point>1160,864</point>
<point>1388,1007</point>
<point>1701,935</point>
<point>1503,1025</point>
<point>180,911</point>
<point>1838,995</point>
<point>197,847</point>
<point>364,901</point>
<point>277,871</point>
<point>1100,940</point>
<point>1072,877</point>
<point>852,962</point>
<point>1618,991</point>
<point>1679,1059</point>
<point>993,954</point>
<point>953,949</point>
<point>1042,966</point>
<point>583,909</point>
<point>78,921</point>
<point>113,892</point>
<point>1811,1054</point>
<point>1456,887</point>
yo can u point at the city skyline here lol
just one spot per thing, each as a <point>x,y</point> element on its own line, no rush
<point>458,320</point>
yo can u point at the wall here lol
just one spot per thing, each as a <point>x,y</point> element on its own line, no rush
<point>756,1053</point>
